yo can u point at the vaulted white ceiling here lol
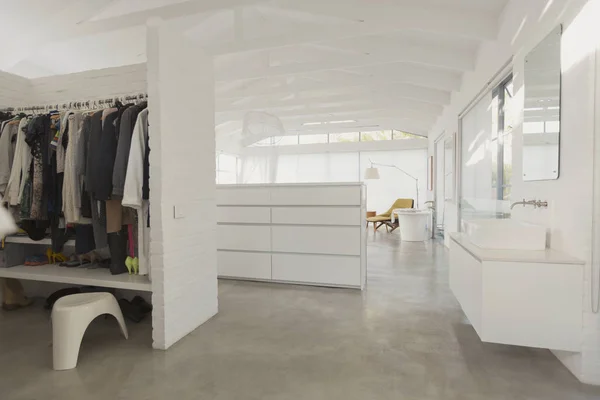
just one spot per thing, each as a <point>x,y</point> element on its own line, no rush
<point>386,64</point>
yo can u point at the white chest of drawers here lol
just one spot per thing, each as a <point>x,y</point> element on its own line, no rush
<point>310,234</point>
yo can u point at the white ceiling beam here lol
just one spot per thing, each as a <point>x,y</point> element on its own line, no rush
<point>391,92</point>
<point>350,106</point>
<point>442,81</point>
<point>375,125</point>
<point>421,55</point>
<point>178,10</point>
<point>345,112</point>
<point>391,120</point>
<point>445,20</point>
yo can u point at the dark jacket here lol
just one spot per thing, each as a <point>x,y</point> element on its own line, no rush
<point>93,153</point>
<point>104,163</point>
<point>126,125</point>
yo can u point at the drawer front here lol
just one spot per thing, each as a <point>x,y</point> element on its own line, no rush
<point>328,270</point>
<point>317,215</point>
<point>317,239</point>
<point>244,265</point>
<point>244,237</point>
<point>243,196</point>
<point>247,215</point>
<point>317,196</point>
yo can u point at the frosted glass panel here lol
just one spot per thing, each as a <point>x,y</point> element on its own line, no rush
<point>343,167</point>
<point>313,139</point>
<point>480,158</point>
<point>320,167</point>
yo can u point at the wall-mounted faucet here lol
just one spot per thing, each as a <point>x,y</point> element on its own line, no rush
<point>534,203</point>
<point>432,206</point>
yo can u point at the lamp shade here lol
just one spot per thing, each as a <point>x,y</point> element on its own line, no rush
<point>372,173</point>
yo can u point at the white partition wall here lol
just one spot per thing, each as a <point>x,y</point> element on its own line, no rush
<point>298,233</point>
<point>182,184</point>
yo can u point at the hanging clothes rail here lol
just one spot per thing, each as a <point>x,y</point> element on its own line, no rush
<point>82,104</point>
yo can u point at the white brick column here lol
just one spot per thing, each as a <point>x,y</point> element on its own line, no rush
<point>182,184</point>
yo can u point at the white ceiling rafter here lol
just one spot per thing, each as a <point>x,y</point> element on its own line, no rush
<point>390,93</point>
<point>431,57</point>
<point>349,79</point>
<point>387,63</point>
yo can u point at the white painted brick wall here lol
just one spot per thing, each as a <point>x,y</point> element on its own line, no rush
<point>182,171</point>
<point>94,84</point>
<point>14,90</point>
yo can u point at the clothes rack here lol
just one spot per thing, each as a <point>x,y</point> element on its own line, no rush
<point>81,104</point>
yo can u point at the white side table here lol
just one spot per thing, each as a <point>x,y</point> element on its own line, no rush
<point>413,224</point>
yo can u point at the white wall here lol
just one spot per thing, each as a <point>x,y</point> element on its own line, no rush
<point>183,246</point>
<point>523,25</point>
<point>15,91</point>
<point>93,84</point>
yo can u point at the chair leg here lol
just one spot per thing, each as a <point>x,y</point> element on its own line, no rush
<point>115,311</point>
<point>66,341</point>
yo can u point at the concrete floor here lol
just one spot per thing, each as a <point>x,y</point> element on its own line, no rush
<point>403,338</point>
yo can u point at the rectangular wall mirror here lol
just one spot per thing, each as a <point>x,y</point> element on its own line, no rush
<point>541,117</point>
<point>449,149</point>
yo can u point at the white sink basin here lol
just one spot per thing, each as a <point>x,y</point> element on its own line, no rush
<point>505,234</point>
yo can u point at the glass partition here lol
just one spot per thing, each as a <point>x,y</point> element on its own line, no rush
<point>486,155</point>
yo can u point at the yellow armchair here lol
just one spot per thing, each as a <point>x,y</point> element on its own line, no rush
<point>386,217</point>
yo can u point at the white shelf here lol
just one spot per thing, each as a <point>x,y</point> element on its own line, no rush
<point>27,240</point>
<point>78,276</point>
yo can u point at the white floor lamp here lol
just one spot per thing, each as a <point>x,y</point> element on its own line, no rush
<point>373,173</point>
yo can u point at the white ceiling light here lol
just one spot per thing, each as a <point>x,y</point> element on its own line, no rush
<point>311,123</point>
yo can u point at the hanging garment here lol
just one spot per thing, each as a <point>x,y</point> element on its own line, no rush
<point>127,124</point>
<point>60,150</point>
<point>7,151</point>
<point>37,137</point>
<point>103,168</point>
<point>134,184</point>
<point>134,177</point>
<point>99,223</point>
<point>92,152</point>
<point>20,168</point>
<point>71,191</point>
<point>85,204</point>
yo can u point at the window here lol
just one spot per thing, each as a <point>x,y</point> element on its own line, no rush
<point>227,166</point>
<point>375,136</point>
<point>399,135</point>
<point>284,140</point>
<point>344,137</point>
<point>313,139</point>
<point>347,137</point>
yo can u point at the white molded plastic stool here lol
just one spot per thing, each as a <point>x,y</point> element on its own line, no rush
<point>71,316</point>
